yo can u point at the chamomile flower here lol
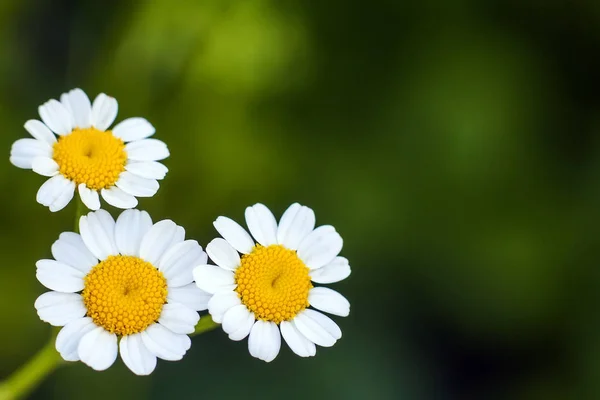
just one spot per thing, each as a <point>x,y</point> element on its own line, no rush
<point>120,164</point>
<point>123,286</point>
<point>266,293</point>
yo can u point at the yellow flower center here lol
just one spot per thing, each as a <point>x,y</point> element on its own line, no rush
<point>124,294</point>
<point>273,283</point>
<point>90,156</point>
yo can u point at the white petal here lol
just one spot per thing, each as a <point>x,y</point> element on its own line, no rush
<point>317,328</point>
<point>221,252</point>
<point>297,342</point>
<point>77,102</point>
<point>64,198</point>
<point>98,233</point>
<point>327,323</point>
<point>329,300</point>
<point>147,150</point>
<point>130,228</point>
<point>185,341</point>
<point>51,190</point>
<point>234,234</point>
<point>38,130</point>
<point>237,322</point>
<point>178,237</point>
<point>136,355</point>
<point>159,239</point>
<point>178,318</point>
<point>56,117</point>
<point>262,224</point>
<point>320,247</point>
<point>68,338</point>
<point>147,169</point>
<point>56,193</point>
<point>104,111</point>
<point>44,166</point>
<point>98,349</point>
<point>178,262</point>
<point>220,303</point>
<point>21,162</point>
<point>335,271</point>
<point>133,129</point>
<point>89,197</point>
<point>70,249</point>
<point>24,151</point>
<point>190,296</point>
<point>118,198</point>
<point>213,279</point>
<point>165,344</point>
<point>59,309</point>
<point>274,336</point>
<point>264,341</point>
<point>58,276</point>
<point>65,102</point>
<point>136,185</point>
<point>295,224</point>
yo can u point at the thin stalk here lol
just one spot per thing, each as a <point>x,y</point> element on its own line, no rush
<point>80,210</point>
<point>31,374</point>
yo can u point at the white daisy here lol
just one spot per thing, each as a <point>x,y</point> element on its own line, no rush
<point>121,164</point>
<point>140,291</point>
<point>268,289</point>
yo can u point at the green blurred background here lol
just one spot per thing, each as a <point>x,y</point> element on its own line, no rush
<point>454,145</point>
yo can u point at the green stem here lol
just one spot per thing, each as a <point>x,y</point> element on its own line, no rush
<point>28,377</point>
<point>204,325</point>
<point>80,210</point>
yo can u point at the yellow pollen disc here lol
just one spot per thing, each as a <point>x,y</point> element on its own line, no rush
<point>124,294</point>
<point>273,283</point>
<point>90,156</point>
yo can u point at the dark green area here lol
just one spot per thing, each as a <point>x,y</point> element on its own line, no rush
<point>454,145</point>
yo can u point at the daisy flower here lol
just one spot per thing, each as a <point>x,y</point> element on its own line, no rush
<point>120,164</point>
<point>123,286</point>
<point>266,293</point>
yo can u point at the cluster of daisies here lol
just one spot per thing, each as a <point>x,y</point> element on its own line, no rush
<point>135,287</point>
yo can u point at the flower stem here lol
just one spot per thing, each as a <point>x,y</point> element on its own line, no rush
<point>80,210</point>
<point>27,377</point>
<point>204,325</point>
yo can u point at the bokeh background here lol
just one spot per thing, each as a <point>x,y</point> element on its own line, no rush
<point>455,146</point>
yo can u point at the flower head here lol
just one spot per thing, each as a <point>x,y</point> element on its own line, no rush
<point>266,293</point>
<point>121,164</point>
<point>129,280</point>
